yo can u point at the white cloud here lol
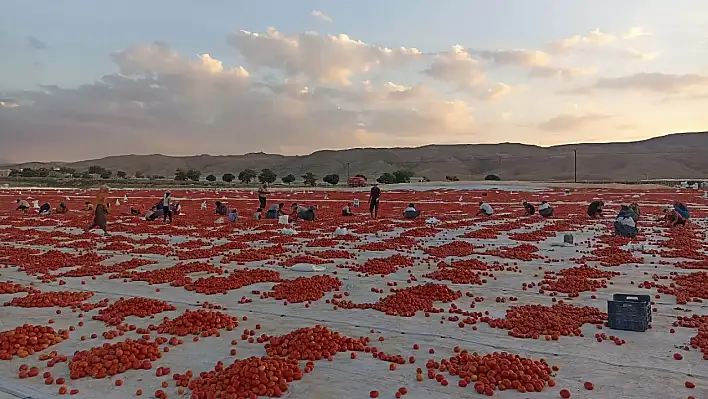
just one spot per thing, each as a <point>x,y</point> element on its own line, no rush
<point>633,33</point>
<point>319,14</point>
<point>662,83</point>
<point>456,66</point>
<point>594,38</point>
<point>496,92</point>
<point>638,54</point>
<point>569,122</point>
<point>560,73</point>
<point>522,57</point>
<point>332,59</point>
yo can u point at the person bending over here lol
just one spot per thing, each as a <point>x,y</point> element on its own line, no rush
<point>258,214</point>
<point>233,216</point>
<point>347,210</point>
<point>485,209</point>
<point>682,209</point>
<point>545,209</point>
<point>411,212</point>
<point>672,218</point>
<point>625,225</point>
<point>374,198</point>
<point>529,208</point>
<point>275,211</point>
<point>595,209</point>
<point>62,208</point>
<point>221,209</point>
<point>302,212</point>
<point>23,206</point>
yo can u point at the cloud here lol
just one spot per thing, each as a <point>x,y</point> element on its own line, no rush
<point>638,54</point>
<point>36,44</point>
<point>331,59</point>
<point>456,66</point>
<point>496,92</point>
<point>569,122</point>
<point>633,33</point>
<point>560,73</point>
<point>655,82</point>
<point>521,57</point>
<point>160,101</point>
<point>594,38</point>
<point>319,14</point>
<point>7,103</point>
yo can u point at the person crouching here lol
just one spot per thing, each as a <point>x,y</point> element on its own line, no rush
<point>529,208</point>
<point>302,212</point>
<point>411,212</point>
<point>625,225</point>
<point>545,209</point>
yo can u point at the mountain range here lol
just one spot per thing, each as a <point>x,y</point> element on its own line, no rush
<point>679,156</point>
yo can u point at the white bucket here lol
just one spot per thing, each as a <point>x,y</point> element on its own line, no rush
<point>356,203</point>
<point>35,204</point>
<point>283,219</point>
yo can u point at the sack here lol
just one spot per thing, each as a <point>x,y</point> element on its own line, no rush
<point>283,219</point>
<point>219,221</point>
<point>432,220</point>
<point>341,231</point>
<point>307,267</point>
<point>288,232</point>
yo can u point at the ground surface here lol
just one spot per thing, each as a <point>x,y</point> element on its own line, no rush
<point>663,263</point>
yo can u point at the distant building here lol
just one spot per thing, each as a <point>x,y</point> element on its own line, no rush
<point>5,172</point>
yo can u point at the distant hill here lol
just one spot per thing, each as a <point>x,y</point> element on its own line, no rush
<point>680,155</point>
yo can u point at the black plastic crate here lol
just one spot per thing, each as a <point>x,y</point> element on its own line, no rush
<point>645,299</point>
<point>628,315</point>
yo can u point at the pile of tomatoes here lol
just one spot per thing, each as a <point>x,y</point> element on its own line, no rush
<point>27,340</point>
<point>313,343</point>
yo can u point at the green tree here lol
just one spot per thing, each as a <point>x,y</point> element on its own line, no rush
<point>77,175</point>
<point>66,170</point>
<point>85,175</point>
<point>122,174</point>
<point>267,176</point>
<point>211,178</point>
<point>332,179</point>
<point>309,179</point>
<point>451,178</point>
<point>288,179</point>
<point>246,175</point>
<point>386,178</point>
<point>106,174</point>
<point>96,170</point>
<point>403,175</point>
<point>139,175</point>
<point>193,175</point>
<point>180,175</point>
<point>228,177</point>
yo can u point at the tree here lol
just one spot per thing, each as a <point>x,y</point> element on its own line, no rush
<point>332,179</point>
<point>77,175</point>
<point>387,178</point>
<point>246,175</point>
<point>492,177</point>
<point>122,174</point>
<point>267,176</point>
<point>86,175</point>
<point>139,175</point>
<point>288,179</point>
<point>106,174</point>
<point>309,179</point>
<point>180,175</point>
<point>228,177</point>
<point>96,170</point>
<point>451,178</point>
<point>403,175</point>
<point>193,175</point>
<point>67,170</point>
<point>211,178</point>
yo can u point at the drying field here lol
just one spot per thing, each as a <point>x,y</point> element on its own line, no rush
<point>398,308</point>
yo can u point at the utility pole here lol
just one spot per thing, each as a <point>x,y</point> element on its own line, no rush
<point>575,163</point>
<point>348,171</point>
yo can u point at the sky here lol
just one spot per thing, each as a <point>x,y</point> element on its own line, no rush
<point>87,79</point>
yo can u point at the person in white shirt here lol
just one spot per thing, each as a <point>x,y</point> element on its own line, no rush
<point>166,211</point>
<point>485,209</point>
<point>23,206</point>
<point>545,209</point>
<point>411,212</point>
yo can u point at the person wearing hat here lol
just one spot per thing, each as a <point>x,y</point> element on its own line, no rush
<point>166,210</point>
<point>530,209</point>
<point>672,217</point>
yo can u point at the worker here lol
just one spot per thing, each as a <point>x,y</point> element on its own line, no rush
<point>166,210</point>
<point>529,208</point>
<point>672,217</point>
<point>347,210</point>
<point>263,195</point>
<point>23,206</point>
<point>100,218</point>
<point>374,198</point>
<point>302,212</point>
<point>595,209</point>
<point>134,211</point>
<point>275,211</point>
<point>221,209</point>
<point>233,215</point>
<point>88,206</point>
<point>625,225</point>
<point>258,214</point>
<point>682,210</point>
<point>634,208</point>
<point>45,209</point>
<point>62,208</point>
<point>485,209</point>
<point>411,212</point>
<point>545,209</point>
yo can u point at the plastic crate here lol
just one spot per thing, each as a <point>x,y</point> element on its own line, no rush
<point>646,299</point>
<point>628,315</point>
